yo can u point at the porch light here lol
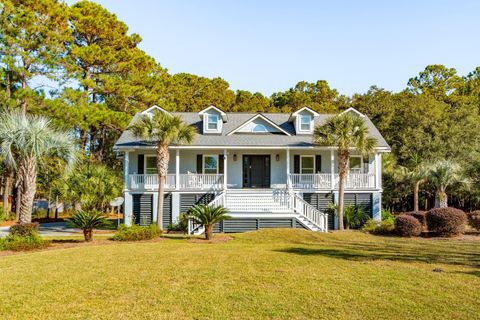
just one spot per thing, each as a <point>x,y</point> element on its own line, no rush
<point>234,157</point>
<point>277,157</point>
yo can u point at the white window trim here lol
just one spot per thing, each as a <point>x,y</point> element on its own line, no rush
<point>301,166</point>
<point>361,163</point>
<point>145,162</point>
<point>299,124</point>
<point>203,162</point>
<point>207,116</point>
<point>309,123</point>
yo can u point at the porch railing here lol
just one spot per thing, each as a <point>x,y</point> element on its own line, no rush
<point>324,181</point>
<point>190,181</point>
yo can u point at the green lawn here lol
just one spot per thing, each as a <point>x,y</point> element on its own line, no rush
<point>283,274</point>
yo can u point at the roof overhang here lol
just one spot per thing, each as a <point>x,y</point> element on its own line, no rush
<point>295,114</point>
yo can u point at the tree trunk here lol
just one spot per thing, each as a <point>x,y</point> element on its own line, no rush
<point>88,234</point>
<point>343,156</point>
<point>24,99</point>
<point>162,168</point>
<point>7,189</point>
<point>28,173</point>
<point>56,207</point>
<point>416,190</point>
<point>441,199</point>
<point>208,231</point>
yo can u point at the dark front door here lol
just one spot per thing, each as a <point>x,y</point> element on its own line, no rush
<point>256,171</point>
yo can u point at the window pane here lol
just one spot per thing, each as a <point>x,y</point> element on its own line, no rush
<point>212,122</point>
<point>307,165</point>
<point>355,164</point>
<point>259,128</point>
<point>305,123</point>
<point>210,164</point>
<point>151,165</point>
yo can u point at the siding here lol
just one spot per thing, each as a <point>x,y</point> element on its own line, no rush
<point>167,210</point>
<point>362,200</point>
<point>321,201</point>
<point>251,224</point>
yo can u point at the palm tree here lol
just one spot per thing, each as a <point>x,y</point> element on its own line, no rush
<point>443,174</point>
<point>415,173</point>
<point>164,129</point>
<point>345,131</point>
<point>24,140</point>
<point>208,216</point>
<point>87,221</point>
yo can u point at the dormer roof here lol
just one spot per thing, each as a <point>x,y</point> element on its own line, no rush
<point>222,114</point>
<point>296,113</point>
<point>259,116</point>
<point>154,108</point>
<point>351,109</point>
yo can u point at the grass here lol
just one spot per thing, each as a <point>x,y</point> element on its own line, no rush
<point>282,274</point>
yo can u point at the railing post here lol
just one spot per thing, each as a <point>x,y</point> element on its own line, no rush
<point>332,170</point>
<point>177,169</point>
<point>289,183</point>
<point>225,169</point>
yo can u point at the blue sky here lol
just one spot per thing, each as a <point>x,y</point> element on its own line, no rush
<point>269,46</point>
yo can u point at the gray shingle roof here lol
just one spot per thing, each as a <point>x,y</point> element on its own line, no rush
<point>241,139</point>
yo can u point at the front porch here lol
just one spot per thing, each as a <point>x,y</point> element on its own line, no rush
<point>313,169</point>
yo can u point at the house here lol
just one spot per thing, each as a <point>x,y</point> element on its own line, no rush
<point>262,166</point>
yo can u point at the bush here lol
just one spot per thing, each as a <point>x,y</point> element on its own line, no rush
<point>87,221</point>
<point>420,216</point>
<point>474,219</point>
<point>24,229</point>
<point>136,232</point>
<point>354,217</point>
<point>384,227</point>
<point>387,215</point>
<point>407,226</point>
<point>181,225</point>
<point>19,243</point>
<point>446,221</point>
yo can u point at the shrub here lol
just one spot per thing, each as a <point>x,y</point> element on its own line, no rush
<point>387,215</point>
<point>446,221</point>
<point>407,226</point>
<point>420,216</point>
<point>87,221</point>
<point>383,227</point>
<point>474,219</point>
<point>19,243</point>
<point>136,232</point>
<point>24,229</point>
<point>181,225</point>
<point>354,217</point>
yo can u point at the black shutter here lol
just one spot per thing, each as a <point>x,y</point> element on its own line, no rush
<point>296,163</point>
<point>318,163</point>
<point>141,164</point>
<point>199,163</point>
<point>220,163</point>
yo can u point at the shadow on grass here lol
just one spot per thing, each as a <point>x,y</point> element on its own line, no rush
<point>67,240</point>
<point>454,255</point>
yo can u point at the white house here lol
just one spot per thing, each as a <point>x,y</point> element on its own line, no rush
<point>264,167</point>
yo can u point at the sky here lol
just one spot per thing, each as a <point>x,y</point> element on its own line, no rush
<point>269,46</point>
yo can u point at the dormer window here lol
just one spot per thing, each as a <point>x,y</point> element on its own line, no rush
<point>259,128</point>
<point>212,122</point>
<point>305,122</point>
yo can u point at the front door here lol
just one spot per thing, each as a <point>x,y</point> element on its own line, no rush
<point>256,171</point>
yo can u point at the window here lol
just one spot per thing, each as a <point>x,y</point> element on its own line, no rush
<point>212,122</point>
<point>210,164</point>
<point>355,164</point>
<point>307,164</point>
<point>259,128</point>
<point>305,122</point>
<point>150,164</point>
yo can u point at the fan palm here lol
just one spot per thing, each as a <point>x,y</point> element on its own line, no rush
<point>208,216</point>
<point>415,173</point>
<point>344,131</point>
<point>443,174</point>
<point>163,129</point>
<point>24,140</point>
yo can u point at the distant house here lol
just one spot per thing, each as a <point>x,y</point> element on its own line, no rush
<point>263,167</point>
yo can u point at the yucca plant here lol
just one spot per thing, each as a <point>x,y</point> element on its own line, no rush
<point>208,216</point>
<point>354,217</point>
<point>87,221</point>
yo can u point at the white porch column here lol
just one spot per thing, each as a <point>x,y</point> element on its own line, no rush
<point>332,169</point>
<point>177,169</point>
<point>225,169</point>
<point>289,185</point>
<point>126,164</point>
<point>378,171</point>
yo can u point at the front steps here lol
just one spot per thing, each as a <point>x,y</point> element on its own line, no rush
<point>275,207</point>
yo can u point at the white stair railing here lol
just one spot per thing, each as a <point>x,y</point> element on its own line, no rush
<point>305,209</point>
<point>195,227</point>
